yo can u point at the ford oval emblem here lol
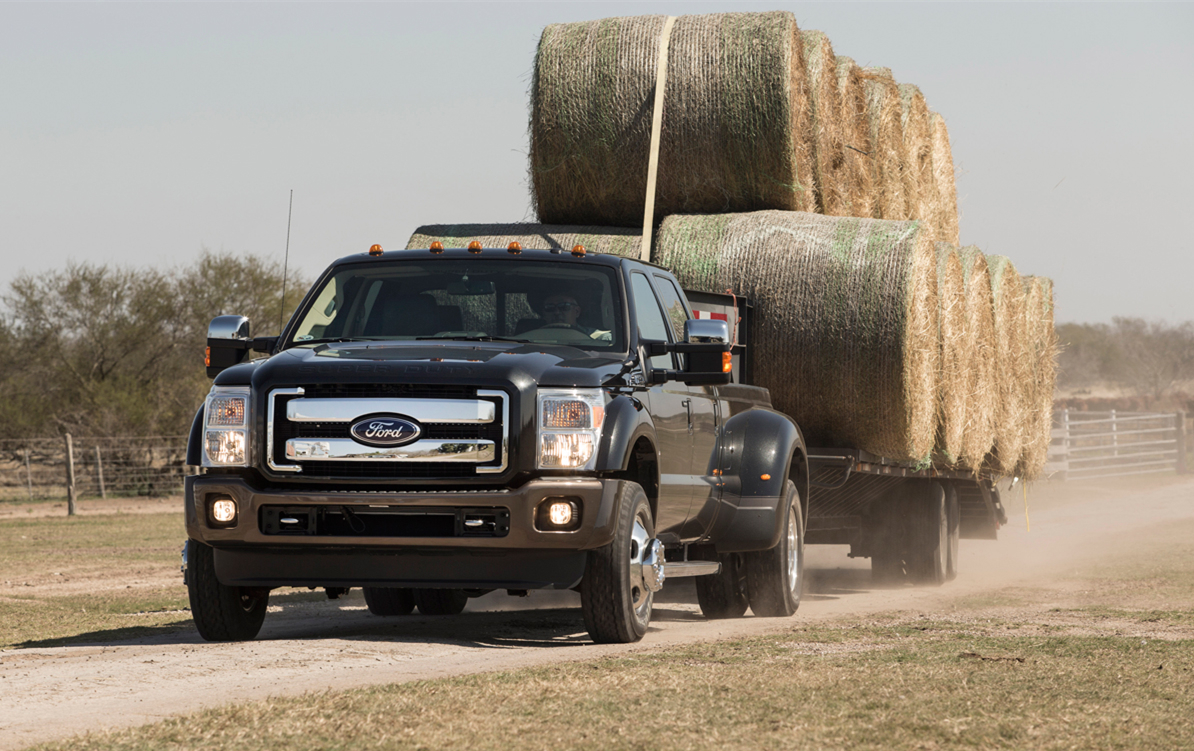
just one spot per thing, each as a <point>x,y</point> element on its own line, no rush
<point>384,430</point>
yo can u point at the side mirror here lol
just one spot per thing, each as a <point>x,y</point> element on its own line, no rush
<point>707,344</point>
<point>706,331</point>
<point>228,343</point>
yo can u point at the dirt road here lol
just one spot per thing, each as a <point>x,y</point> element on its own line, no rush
<point>48,693</point>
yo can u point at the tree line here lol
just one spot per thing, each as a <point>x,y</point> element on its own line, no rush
<point>1151,359</point>
<point>103,350</point>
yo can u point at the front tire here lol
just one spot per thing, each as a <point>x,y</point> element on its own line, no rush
<point>775,577</point>
<point>221,613</point>
<point>389,600</point>
<point>440,601</point>
<point>614,598</point>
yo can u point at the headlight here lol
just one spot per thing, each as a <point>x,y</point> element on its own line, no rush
<point>569,427</point>
<point>226,427</point>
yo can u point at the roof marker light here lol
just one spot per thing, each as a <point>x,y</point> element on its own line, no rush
<point>578,251</point>
<point>437,247</point>
<point>375,250</point>
<point>474,246</point>
<point>514,248</point>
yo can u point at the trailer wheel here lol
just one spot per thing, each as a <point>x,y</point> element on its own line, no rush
<point>440,601</point>
<point>389,600</point>
<point>775,577</point>
<point>723,595</point>
<point>614,596</point>
<point>221,613</point>
<point>890,540</point>
<point>953,517</point>
<point>928,528</point>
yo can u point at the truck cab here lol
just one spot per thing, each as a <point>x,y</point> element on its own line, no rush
<point>436,424</point>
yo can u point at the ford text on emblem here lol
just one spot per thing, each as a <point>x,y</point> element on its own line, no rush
<point>384,431</point>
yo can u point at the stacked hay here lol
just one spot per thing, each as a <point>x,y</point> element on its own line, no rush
<point>1013,372</point>
<point>981,389</point>
<point>858,194</point>
<point>615,240</point>
<point>920,181</point>
<point>1042,356</point>
<point>885,143</point>
<point>943,173</point>
<point>736,133</point>
<point>956,355</point>
<point>829,165</point>
<point>847,308</point>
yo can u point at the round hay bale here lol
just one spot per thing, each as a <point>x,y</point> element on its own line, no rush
<point>735,130</point>
<point>614,240</point>
<point>943,172</point>
<point>845,322</point>
<point>858,197</point>
<point>956,355</point>
<point>1042,355</point>
<point>886,143</point>
<point>982,400</point>
<point>829,166</point>
<point>1013,373</point>
<point>920,186</point>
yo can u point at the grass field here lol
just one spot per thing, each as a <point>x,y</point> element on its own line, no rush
<point>1101,658</point>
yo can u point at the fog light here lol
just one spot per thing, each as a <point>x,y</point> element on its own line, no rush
<point>560,513</point>
<point>223,511</point>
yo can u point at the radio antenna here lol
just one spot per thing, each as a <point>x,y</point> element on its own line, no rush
<point>285,264</point>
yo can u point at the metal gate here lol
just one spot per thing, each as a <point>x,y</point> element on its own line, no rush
<point>1094,445</point>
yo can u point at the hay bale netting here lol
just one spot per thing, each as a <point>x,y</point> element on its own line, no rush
<point>618,241</point>
<point>858,195</point>
<point>845,321</point>
<point>981,389</point>
<point>1013,372</point>
<point>736,133</point>
<point>829,166</point>
<point>1042,355</point>
<point>956,355</point>
<point>943,171</point>
<point>920,182</point>
<point>885,143</point>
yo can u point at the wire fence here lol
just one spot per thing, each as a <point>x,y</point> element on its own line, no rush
<point>1097,445</point>
<point>41,469</point>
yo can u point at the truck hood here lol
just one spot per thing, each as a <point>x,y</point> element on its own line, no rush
<point>473,363</point>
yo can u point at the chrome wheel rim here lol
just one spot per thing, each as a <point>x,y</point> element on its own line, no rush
<point>640,596</point>
<point>793,552</point>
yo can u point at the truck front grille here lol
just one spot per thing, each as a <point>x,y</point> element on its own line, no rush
<point>373,521</point>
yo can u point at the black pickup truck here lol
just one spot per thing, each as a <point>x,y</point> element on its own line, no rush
<point>437,424</point>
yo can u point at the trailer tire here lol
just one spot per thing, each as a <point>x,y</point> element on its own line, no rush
<point>890,540</point>
<point>775,577</point>
<point>928,528</point>
<point>953,516</point>
<point>221,613</point>
<point>614,599</point>
<point>389,600</point>
<point>440,601</point>
<point>723,595</point>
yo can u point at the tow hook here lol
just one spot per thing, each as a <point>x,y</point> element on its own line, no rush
<point>653,566</point>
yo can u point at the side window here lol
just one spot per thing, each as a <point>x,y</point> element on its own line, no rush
<point>651,324</point>
<point>673,304</point>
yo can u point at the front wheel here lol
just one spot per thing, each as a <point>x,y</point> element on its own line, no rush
<point>614,595</point>
<point>221,613</point>
<point>775,577</point>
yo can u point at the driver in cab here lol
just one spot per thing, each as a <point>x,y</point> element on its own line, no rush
<point>561,310</point>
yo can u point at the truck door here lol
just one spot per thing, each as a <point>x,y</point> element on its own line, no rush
<point>669,405</point>
<point>702,422</point>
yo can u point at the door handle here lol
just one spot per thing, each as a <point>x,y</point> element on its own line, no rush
<point>688,406</point>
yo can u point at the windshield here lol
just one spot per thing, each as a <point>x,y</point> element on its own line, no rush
<point>532,301</point>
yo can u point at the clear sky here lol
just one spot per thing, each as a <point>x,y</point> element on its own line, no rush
<point>140,133</point>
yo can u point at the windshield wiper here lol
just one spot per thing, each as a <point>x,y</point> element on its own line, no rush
<point>330,340</point>
<point>464,338</point>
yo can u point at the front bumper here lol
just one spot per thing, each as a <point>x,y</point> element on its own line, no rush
<point>522,558</point>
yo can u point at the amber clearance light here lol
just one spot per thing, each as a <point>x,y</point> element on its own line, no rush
<point>474,246</point>
<point>437,247</point>
<point>375,250</point>
<point>578,251</point>
<point>727,362</point>
<point>514,247</point>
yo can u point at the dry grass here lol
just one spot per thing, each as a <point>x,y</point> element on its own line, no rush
<point>957,356</point>
<point>1013,372</point>
<point>920,186</point>
<point>829,164</point>
<point>736,131</point>
<point>886,143</point>
<point>982,391</point>
<point>858,195</point>
<point>848,309</point>
<point>1042,351</point>
<point>613,240</point>
<point>943,174</point>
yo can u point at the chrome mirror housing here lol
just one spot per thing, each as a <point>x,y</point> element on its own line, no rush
<point>228,327</point>
<point>706,331</point>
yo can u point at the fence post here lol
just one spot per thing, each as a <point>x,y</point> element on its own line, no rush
<point>1114,434</point>
<point>99,471</point>
<point>70,478</point>
<point>1180,435</point>
<point>28,476</point>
